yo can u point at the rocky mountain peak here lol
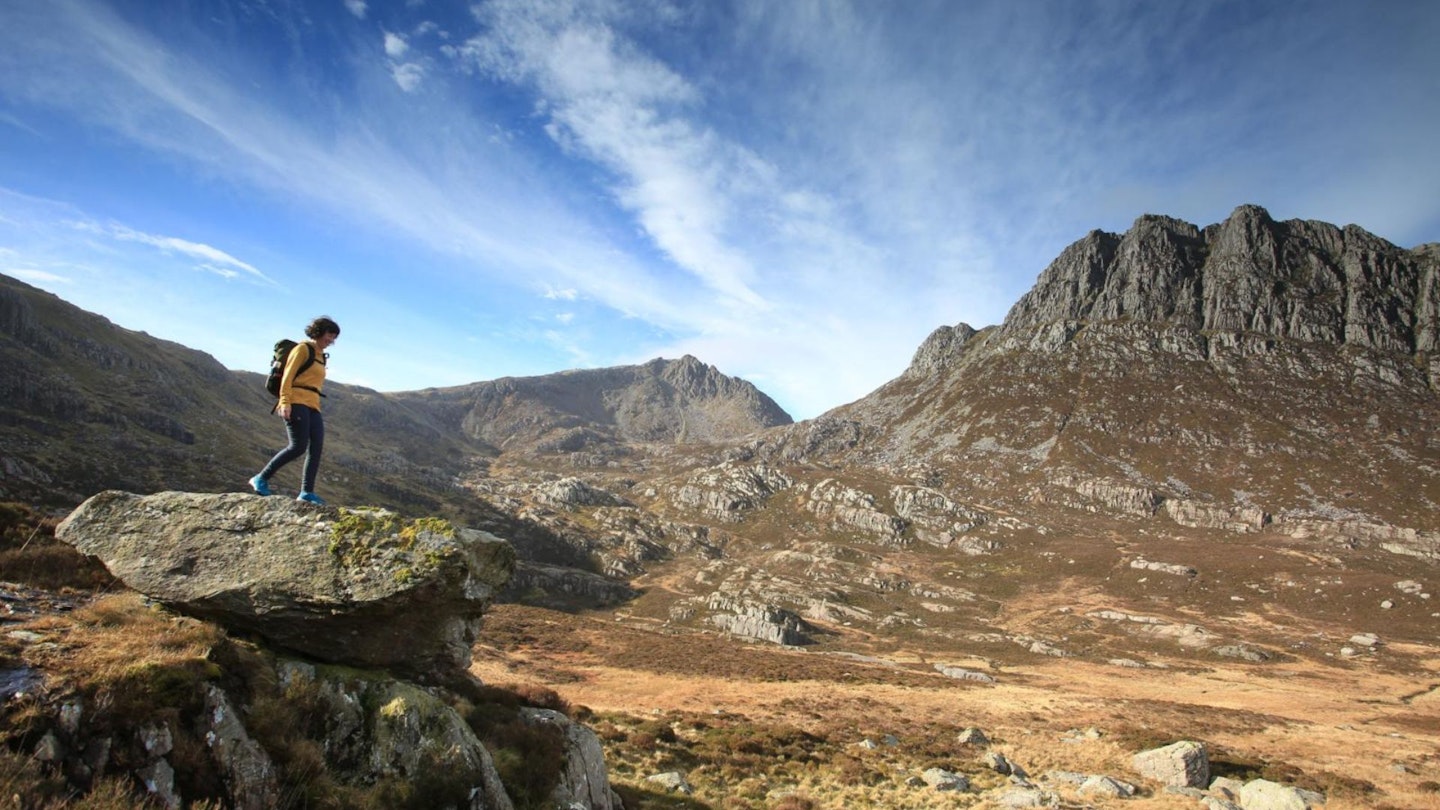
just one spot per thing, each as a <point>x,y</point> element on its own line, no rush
<point>939,349</point>
<point>660,400</point>
<point>1305,280</point>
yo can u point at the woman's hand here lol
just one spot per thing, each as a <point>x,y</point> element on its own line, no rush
<point>284,412</point>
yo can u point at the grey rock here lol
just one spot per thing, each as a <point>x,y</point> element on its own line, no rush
<point>761,622</point>
<point>1107,786</point>
<point>1181,764</point>
<point>941,779</point>
<point>585,782</point>
<point>357,592</point>
<point>1226,788</point>
<point>382,728</point>
<point>849,508</point>
<point>156,739</point>
<point>1066,777</point>
<point>1000,764</point>
<point>973,736</point>
<point>962,674</point>
<point>1262,794</point>
<point>575,492</point>
<point>671,781</point>
<point>158,777</point>
<point>247,770</point>
<point>1018,797</point>
<point>728,491</point>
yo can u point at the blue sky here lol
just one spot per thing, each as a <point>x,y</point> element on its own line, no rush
<point>795,191</point>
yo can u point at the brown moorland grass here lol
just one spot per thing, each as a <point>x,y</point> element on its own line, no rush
<point>1365,735</point>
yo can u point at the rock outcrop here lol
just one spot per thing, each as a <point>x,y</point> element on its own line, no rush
<point>362,588</point>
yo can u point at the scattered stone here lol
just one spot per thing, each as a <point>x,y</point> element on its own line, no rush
<point>1409,586</point>
<point>941,779</point>
<point>1066,777</point>
<point>998,763</point>
<point>1365,639</point>
<point>1387,604</point>
<point>1242,652</point>
<point>1020,797</point>
<point>1181,764</point>
<point>973,736</point>
<point>1216,803</point>
<point>961,674</point>
<point>671,782</point>
<point>159,780</point>
<point>1107,786</point>
<point>1262,794</point>
<point>1227,788</point>
<point>868,744</point>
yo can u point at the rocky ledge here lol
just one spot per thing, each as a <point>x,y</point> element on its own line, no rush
<point>362,588</point>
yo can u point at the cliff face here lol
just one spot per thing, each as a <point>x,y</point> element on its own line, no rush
<point>1306,281</point>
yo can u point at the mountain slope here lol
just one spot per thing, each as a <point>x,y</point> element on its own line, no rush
<point>1248,371</point>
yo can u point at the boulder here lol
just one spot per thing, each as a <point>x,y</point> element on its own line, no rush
<point>585,782</point>
<point>1181,764</point>
<point>1262,794</point>
<point>355,587</point>
<point>941,779</point>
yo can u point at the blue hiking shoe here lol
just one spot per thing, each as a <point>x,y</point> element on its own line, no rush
<point>260,485</point>
<point>310,497</point>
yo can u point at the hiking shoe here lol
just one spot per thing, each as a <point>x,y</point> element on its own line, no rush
<point>310,497</point>
<point>260,485</point>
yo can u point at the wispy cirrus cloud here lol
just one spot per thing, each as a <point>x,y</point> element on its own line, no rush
<point>208,258</point>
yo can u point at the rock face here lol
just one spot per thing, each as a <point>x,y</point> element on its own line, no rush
<point>349,587</point>
<point>1307,281</point>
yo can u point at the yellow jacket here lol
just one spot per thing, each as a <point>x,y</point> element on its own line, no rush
<point>303,389</point>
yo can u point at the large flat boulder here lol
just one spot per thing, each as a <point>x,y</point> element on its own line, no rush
<point>359,587</point>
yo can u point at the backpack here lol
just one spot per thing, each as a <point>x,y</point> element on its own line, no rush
<point>277,365</point>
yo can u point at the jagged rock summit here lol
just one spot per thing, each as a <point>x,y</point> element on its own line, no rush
<point>681,400</point>
<point>1303,280</point>
<point>1231,376</point>
<point>361,588</point>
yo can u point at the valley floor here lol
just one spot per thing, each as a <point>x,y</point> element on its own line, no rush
<point>1362,735</point>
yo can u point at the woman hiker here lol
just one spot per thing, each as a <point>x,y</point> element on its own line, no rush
<point>299,406</point>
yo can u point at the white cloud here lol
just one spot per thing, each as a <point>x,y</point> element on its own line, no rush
<point>395,45</point>
<point>408,75</point>
<point>211,259</point>
<point>618,106</point>
<point>567,294</point>
<point>356,7</point>
<point>38,276</point>
<point>565,317</point>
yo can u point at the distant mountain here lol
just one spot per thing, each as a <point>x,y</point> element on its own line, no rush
<point>1247,371</point>
<point>666,401</point>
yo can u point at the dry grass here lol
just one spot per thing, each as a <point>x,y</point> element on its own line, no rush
<point>752,726</point>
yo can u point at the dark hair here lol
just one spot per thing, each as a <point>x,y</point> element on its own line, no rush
<point>322,325</point>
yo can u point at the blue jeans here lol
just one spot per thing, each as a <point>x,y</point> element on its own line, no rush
<point>306,431</point>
